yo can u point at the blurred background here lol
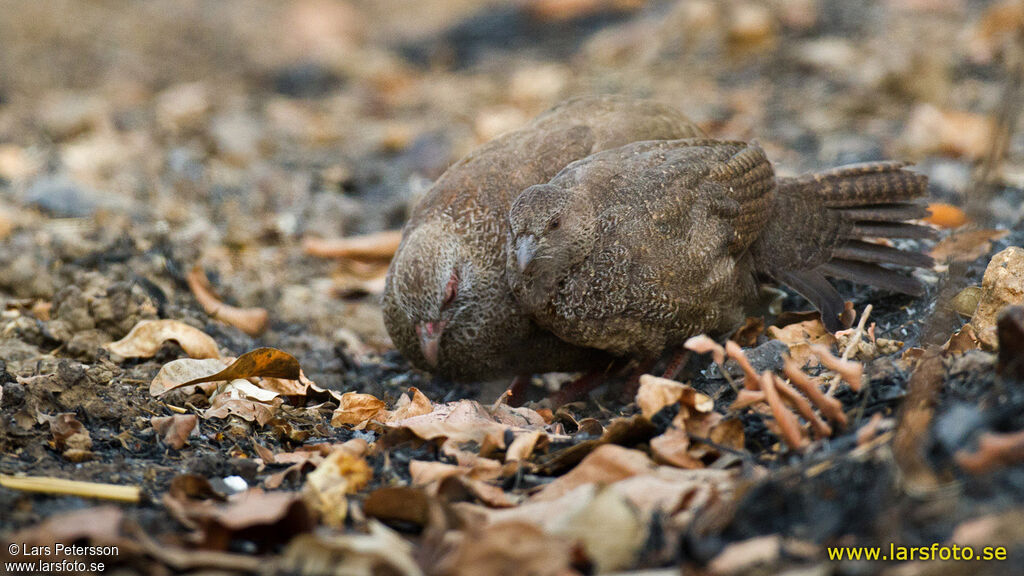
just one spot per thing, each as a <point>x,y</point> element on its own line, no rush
<point>223,132</point>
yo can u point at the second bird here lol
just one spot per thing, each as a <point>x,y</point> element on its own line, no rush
<point>635,249</point>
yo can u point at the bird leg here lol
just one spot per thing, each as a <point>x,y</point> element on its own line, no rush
<point>676,363</point>
<point>575,390</point>
<point>516,393</point>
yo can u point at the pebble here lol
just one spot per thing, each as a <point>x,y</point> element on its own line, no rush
<point>1002,286</point>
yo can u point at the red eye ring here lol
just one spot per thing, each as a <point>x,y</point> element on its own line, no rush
<point>451,289</point>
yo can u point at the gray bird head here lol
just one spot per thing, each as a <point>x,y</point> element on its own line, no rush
<point>549,232</point>
<point>429,290</point>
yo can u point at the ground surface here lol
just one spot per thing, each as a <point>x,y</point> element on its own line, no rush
<point>141,140</point>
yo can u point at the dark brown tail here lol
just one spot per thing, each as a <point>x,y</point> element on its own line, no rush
<point>822,226</point>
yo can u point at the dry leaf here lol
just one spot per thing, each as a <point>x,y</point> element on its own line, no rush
<point>147,336</point>
<point>355,409</point>
<point>343,472</point>
<point>606,464</point>
<point>746,335</point>
<point>966,245</point>
<point>178,373</point>
<point>259,362</point>
<point>176,430</point>
<point>512,547</point>
<point>799,337</point>
<point>672,448</point>
<point>382,551</point>
<point>252,321</point>
<point>656,393</point>
<point>248,410</point>
<point>609,528</point>
<point>744,557</point>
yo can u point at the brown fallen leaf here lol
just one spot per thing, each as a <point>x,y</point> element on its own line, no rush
<point>342,472</point>
<point>656,393</point>
<point>512,547</point>
<point>97,526</point>
<point>672,448</point>
<point>606,464</point>
<point>369,247</point>
<point>800,337</point>
<point>177,373</point>
<point>381,551</point>
<point>357,410</point>
<point>248,410</point>
<point>252,321</point>
<point>269,362</point>
<point>966,245</point>
<point>176,430</point>
<point>147,336</point>
<point>746,335</point>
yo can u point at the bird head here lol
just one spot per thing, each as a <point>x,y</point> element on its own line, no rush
<point>429,285</point>
<point>549,232</point>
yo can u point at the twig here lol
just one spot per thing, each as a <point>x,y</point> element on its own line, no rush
<point>60,486</point>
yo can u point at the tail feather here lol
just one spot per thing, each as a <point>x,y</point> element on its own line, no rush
<point>896,212</point>
<point>822,226</point>
<point>868,183</point>
<point>888,230</point>
<point>860,251</point>
<point>872,275</point>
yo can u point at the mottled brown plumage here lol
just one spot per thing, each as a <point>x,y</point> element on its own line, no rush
<point>447,303</point>
<point>633,250</point>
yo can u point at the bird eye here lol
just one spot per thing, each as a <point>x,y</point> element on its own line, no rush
<point>554,224</point>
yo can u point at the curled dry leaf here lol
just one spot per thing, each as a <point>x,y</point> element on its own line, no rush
<point>468,421</point>
<point>147,336</point>
<point>176,430</point>
<point>248,410</point>
<point>259,362</point>
<point>512,547</point>
<point>368,247</point>
<point>801,336</point>
<point>357,409</point>
<point>746,335</point>
<point>656,393</point>
<point>342,472</point>
<point>703,344</point>
<point>606,464</point>
<point>381,551</point>
<point>672,448</point>
<point>178,373</point>
<point>252,321</point>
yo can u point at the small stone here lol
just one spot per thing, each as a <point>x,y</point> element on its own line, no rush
<point>1002,286</point>
<point>182,107</point>
<point>955,132</point>
<point>751,27</point>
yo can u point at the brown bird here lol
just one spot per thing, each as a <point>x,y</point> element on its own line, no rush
<point>634,250</point>
<point>447,303</point>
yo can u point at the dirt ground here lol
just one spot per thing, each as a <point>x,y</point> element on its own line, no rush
<point>145,146</point>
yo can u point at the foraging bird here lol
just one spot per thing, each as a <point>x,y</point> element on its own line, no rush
<point>447,303</point>
<point>635,249</point>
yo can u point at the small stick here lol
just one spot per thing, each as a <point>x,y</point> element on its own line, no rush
<point>858,333</point>
<point>794,399</point>
<point>786,420</point>
<point>830,407</point>
<point>60,486</point>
